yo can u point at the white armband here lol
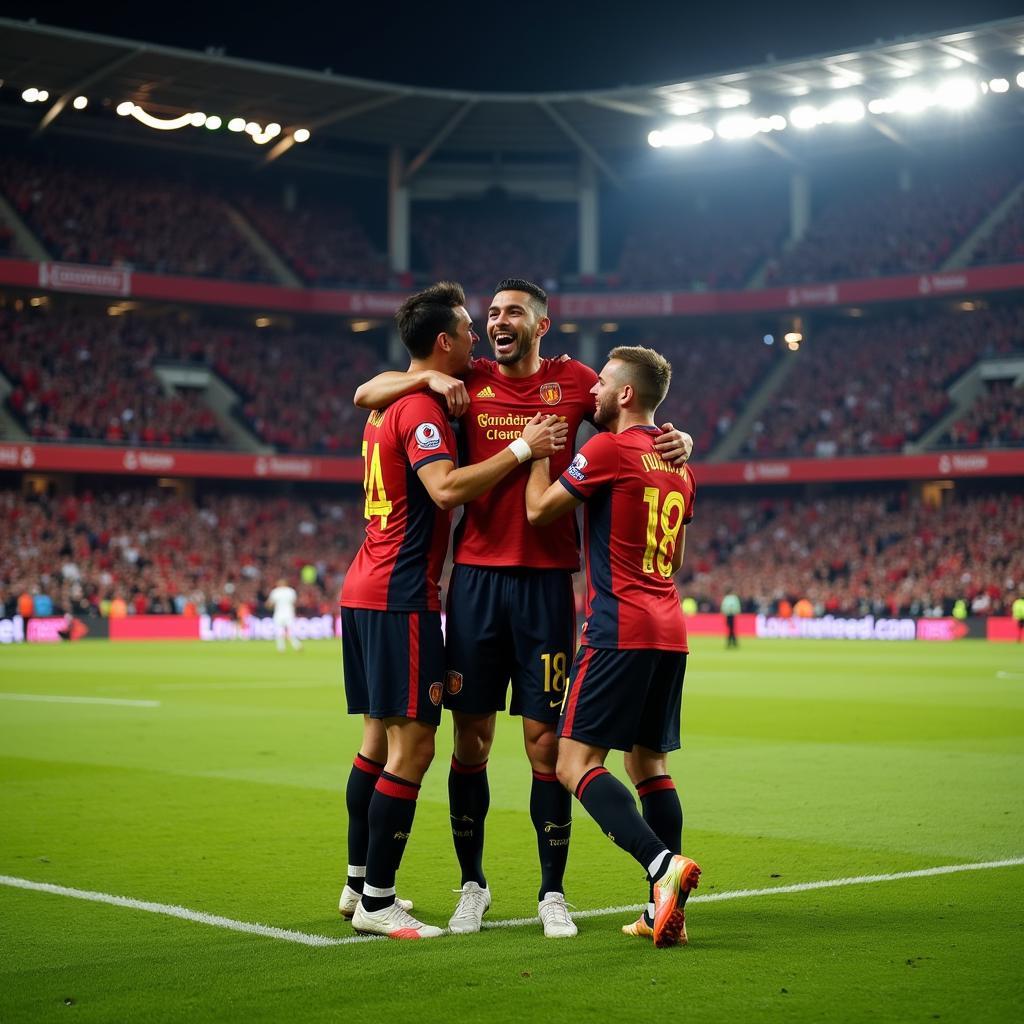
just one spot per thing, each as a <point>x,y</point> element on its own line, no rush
<point>521,450</point>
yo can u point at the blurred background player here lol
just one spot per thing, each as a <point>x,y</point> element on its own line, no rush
<point>626,686</point>
<point>731,607</point>
<point>391,614</point>
<point>511,612</point>
<point>283,599</point>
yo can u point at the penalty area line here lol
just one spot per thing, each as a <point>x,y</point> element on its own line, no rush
<point>53,699</point>
<point>320,941</point>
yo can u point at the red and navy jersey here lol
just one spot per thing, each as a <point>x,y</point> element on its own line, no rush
<point>398,567</point>
<point>636,506</point>
<point>494,530</point>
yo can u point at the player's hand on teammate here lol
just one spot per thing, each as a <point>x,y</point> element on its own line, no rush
<point>673,445</point>
<point>451,389</point>
<point>545,435</point>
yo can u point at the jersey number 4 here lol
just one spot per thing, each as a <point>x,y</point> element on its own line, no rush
<point>377,503</point>
<point>669,516</point>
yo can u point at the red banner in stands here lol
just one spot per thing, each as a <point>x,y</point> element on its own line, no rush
<point>155,627</point>
<point>63,458</point>
<point>66,458</point>
<point>594,306</point>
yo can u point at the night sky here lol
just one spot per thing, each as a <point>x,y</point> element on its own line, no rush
<point>524,46</point>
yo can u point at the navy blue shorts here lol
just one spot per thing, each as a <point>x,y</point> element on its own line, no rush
<point>509,625</point>
<point>622,699</point>
<point>394,663</point>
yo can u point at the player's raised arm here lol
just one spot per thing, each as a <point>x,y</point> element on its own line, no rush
<point>674,446</point>
<point>546,501</point>
<point>389,386</point>
<point>679,551</point>
<point>450,487</point>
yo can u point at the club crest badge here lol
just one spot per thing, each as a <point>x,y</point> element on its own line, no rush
<point>453,682</point>
<point>551,393</point>
<point>436,690</point>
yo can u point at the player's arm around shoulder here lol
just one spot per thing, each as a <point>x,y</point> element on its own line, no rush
<point>389,386</point>
<point>546,501</point>
<point>595,464</point>
<point>449,487</point>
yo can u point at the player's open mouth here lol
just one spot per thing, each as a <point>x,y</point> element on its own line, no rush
<point>504,343</point>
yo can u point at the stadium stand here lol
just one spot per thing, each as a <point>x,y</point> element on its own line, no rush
<point>161,552</point>
<point>885,553</point>
<point>324,243</point>
<point>873,228</point>
<point>1005,244</point>
<point>86,214</point>
<point>874,386</point>
<point>995,420</point>
<point>480,242</point>
<point>81,378</point>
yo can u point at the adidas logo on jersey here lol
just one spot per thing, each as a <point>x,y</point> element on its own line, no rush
<point>487,392</point>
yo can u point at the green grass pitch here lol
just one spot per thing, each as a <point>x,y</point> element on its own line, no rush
<point>802,762</point>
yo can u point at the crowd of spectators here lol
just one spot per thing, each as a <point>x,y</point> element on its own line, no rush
<point>478,242</point>
<point>324,243</point>
<point>700,248</point>
<point>874,386</point>
<point>877,229</point>
<point>712,376</point>
<point>85,215</point>
<point>296,389</point>
<point>994,420</point>
<point>160,552</point>
<point>91,378</point>
<point>152,551</point>
<point>885,554</point>
<point>1005,242</point>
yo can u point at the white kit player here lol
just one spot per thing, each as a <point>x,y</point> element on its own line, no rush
<point>283,600</point>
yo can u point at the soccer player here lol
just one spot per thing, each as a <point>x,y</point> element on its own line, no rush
<point>731,607</point>
<point>625,689</point>
<point>283,599</point>
<point>511,612</point>
<point>391,623</point>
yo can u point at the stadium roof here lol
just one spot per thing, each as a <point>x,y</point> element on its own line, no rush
<point>368,118</point>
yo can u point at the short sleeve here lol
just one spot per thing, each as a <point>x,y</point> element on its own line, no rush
<point>596,464</point>
<point>691,495</point>
<point>423,431</point>
<point>587,377</point>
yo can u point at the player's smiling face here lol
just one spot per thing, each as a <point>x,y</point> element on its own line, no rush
<point>606,394</point>
<point>512,327</point>
<point>462,342</point>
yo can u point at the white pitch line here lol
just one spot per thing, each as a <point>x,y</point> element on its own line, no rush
<point>51,699</point>
<point>1009,675</point>
<point>307,939</point>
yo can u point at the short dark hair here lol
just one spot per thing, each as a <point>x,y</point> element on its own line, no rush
<point>519,284</point>
<point>425,315</point>
<point>648,371</point>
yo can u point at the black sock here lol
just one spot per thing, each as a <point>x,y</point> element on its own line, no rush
<point>469,797</point>
<point>663,812</point>
<point>551,812</point>
<point>392,810</point>
<point>361,780</point>
<point>612,806</point>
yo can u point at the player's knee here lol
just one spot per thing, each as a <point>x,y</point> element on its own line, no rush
<point>542,750</point>
<point>569,769</point>
<point>473,739</point>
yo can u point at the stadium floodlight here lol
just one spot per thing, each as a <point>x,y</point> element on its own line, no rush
<point>125,108</point>
<point>197,119</point>
<point>956,93</point>
<point>213,122</point>
<point>163,124</point>
<point>804,117</point>
<point>655,139</point>
<point>999,85</point>
<point>778,122</point>
<point>911,100</point>
<point>677,135</point>
<point>42,96</point>
<point>882,105</point>
<point>301,135</point>
<point>1020,79</point>
<point>769,339</point>
<point>236,124</point>
<point>734,98</point>
<point>738,126</point>
<point>845,111</point>
<point>683,108</point>
<point>80,102</point>
<point>253,129</point>
<point>30,95</point>
<point>273,130</point>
